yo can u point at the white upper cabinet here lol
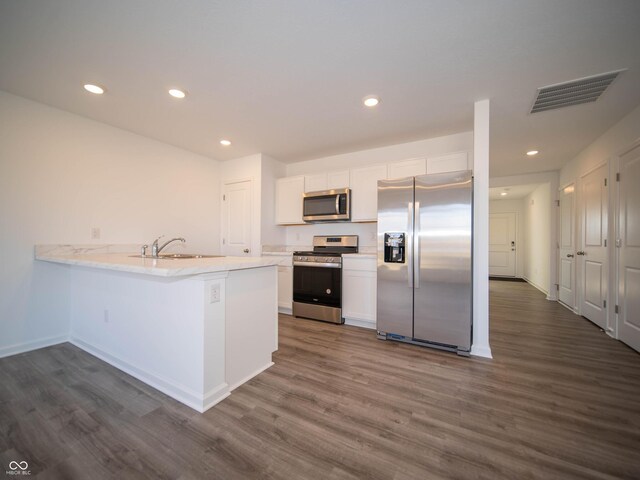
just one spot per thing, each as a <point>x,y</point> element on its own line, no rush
<point>408,168</point>
<point>289,191</point>
<point>448,163</point>
<point>326,181</point>
<point>337,180</point>
<point>364,192</point>
<point>315,183</point>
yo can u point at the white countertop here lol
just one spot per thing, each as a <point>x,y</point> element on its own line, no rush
<point>124,262</point>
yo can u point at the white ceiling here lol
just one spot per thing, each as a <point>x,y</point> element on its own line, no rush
<point>514,192</point>
<point>287,77</point>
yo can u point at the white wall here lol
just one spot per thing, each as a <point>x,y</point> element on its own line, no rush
<point>302,235</point>
<point>620,136</point>
<point>514,206</point>
<point>537,225</point>
<point>61,175</point>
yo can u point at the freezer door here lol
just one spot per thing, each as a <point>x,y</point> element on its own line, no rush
<point>395,283</point>
<point>442,281</point>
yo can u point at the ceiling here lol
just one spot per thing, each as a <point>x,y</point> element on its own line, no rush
<point>514,192</point>
<point>287,77</point>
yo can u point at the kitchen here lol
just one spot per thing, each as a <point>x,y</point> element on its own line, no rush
<point>70,178</point>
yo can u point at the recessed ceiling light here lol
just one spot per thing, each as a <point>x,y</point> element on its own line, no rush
<point>174,92</point>
<point>503,193</point>
<point>226,143</point>
<point>94,89</point>
<point>531,153</point>
<point>371,101</point>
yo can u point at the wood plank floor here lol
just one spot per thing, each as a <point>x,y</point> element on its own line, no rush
<point>560,400</point>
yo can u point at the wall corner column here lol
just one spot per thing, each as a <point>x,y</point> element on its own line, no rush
<point>481,123</point>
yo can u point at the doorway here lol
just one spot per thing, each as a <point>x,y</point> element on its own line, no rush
<point>236,219</point>
<point>502,244</point>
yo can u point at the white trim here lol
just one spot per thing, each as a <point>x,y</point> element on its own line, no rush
<point>481,351</point>
<point>481,126</point>
<point>285,310</point>
<point>355,322</point>
<point>214,396</point>
<point>250,376</point>
<point>538,287</point>
<point>32,345</point>
<point>173,389</point>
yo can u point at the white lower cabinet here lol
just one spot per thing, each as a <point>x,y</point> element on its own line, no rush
<point>285,286</point>
<point>359,290</point>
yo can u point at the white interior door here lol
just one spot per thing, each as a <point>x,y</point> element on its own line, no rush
<point>592,255</point>
<point>567,246</point>
<point>629,252</point>
<point>236,219</point>
<point>502,244</point>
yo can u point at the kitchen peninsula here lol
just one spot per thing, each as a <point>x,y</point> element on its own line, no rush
<point>194,328</point>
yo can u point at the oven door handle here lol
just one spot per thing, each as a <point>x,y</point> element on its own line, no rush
<point>317,264</point>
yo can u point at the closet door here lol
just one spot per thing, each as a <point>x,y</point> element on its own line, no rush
<point>592,255</point>
<point>629,251</point>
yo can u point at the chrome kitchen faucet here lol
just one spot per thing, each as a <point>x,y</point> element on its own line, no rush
<point>155,249</point>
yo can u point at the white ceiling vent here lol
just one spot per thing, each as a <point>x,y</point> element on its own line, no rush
<point>575,92</point>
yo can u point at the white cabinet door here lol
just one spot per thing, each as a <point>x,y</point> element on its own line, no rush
<point>364,192</point>
<point>359,291</point>
<point>337,180</point>
<point>289,191</point>
<point>452,162</point>
<point>408,168</point>
<point>315,183</point>
<point>285,288</point>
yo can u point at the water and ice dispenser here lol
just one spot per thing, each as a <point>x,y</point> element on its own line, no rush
<point>394,247</point>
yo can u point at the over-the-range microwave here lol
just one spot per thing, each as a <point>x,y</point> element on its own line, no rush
<point>327,206</point>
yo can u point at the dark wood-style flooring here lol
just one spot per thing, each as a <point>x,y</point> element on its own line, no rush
<point>559,400</point>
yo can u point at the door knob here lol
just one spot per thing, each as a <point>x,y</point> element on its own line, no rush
<point>569,255</point>
<point>246,250</point>
<point>581,252</point>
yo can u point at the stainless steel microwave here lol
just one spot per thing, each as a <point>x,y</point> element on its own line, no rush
<point>327,206</point>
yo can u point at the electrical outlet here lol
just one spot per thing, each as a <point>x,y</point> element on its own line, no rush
<point>214,296</point>
<point>106,316</point>
<point>95,233</point>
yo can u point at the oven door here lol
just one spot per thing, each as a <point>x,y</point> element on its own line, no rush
<point>318,285</point>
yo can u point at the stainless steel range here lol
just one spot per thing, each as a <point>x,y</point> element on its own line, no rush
<point>317,278</point>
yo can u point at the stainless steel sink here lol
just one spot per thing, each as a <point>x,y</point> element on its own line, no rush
<point>175,256</point>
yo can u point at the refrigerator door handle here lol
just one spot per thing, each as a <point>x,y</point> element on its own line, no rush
<point>416,240</point>
<point>409,246</point>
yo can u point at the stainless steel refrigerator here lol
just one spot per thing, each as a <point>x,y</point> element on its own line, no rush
<point>424,260</point>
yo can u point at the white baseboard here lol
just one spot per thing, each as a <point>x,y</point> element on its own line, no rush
<point>354,322</point>
<point>535,285</point>
<point>250,376</point>
<point>215,396</point>
<point>481,351</point>
<point>285,310</point>
<point>176,391</point>
<point>32,345</point>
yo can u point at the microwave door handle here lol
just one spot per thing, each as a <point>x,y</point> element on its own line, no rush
<point>337,204</point>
